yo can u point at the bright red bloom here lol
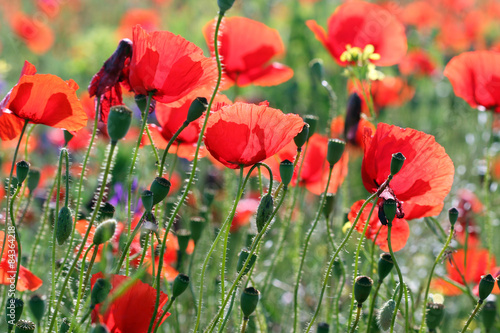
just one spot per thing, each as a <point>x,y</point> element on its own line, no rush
<point>245,134</point>
<point>358,24</point>
<point>399,234</point>
<point>420,14</point>
<point>417,62</point>
<point>38,36</point>
<point>425,179</point>
<point>475,77</point>
<point>169,75</point>
<point>246,49</point>
<point>130,312</point>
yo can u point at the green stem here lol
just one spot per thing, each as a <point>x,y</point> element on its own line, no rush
<point>244,325</point>
<point>358,313</point>
<point>372,307</point>
<point>226,318</point>
<point>169,305</point>
<point>81,290</point>
<point>170,142</point>
<point>473,314</point>
<point>400,276</point>
<point>190,269</point>
<point>129,242</point>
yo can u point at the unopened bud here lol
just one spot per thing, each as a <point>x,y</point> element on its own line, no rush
<point>64,225</point>
<point>196,109</point>
<point>301,138</point>
<point>397,161</point>
<point>486,286</point>
<point>453,215</point>
<point>384,317</point>
<point>160,188</point>
<point>119,120</point>
<point>286,172</point>
<point>100,291</point>
<point>104,232</point>
<point>335,150</point>
<point>312,121</point>
<point>390,208</point>
<point>67,137</point>
<point>225,5</point>
<point>33,179</point>
<point>37,305</point>
<point>317,69</point>
<point>264,211</point>
<point>22,169</point>
<point>362,288</point>
<point>385,265</point>
<point>181,283</point>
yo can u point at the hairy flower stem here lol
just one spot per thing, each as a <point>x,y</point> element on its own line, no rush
<point>473,314</point>
<point>82,282</point>
<point>358,314</point>
<point>400,276</point>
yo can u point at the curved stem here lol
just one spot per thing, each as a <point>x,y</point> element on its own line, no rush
<point>372,307</point>
<point>400,276</point>
<point>169,305</point>
<point>170,142</point>
<point>358,313</point>
<point>226,318</point>
<point>81,290</point>
<point>473,314</point>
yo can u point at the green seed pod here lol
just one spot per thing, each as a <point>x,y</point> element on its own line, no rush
<point>301,138</point>
<point>286,172</point>
<point>323,328</point>
<point>317,69</point>
<point>196,226</point>
<point>242,259</point>
<point>147,200</point>
<point>99,328</point>
<point>107,211</point>
<point>65,325</point>
<point>196,109</point>
<point>335,150</point>
<point>22,169</point>
<point>13,311</point>
<point>453,215</point>
<point>225,5</point>
<point>390,208</point>
<point>249,300</point>
<point>181,283</point>
<point>64,225</point>
<point>329,205</point>
<point>384,316</point>
<point>37,305</point>
<point>397,161</point>
<point>486,286</point>
<point>25,326</point>
<point>435,314</point>
<point>264,211</point>
<point>362,288</point>
<point>312,121</point>
<point>385,265</point>
<point>33,179</point>
<point>104,232</point>
<point>100,291</point>
<point>183,237</point>
<point>488,315</point>
<point>119,120</point>
<point>160,188</point>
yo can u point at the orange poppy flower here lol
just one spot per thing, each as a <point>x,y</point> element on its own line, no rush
<point>170,75</point>
<point>148,19</point>
<point>475,77</point>
<point>246,49</point>
<point>417,62</point>
<point>38,36</point>
<point>400,229</point>
<point>245,134</point>
<point>425,179</point>
<point>132,310</point>
<point>358,24</point>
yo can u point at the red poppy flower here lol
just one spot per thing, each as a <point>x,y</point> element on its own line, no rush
<point>38,36</point>
<point>417,62</point>
<point>130,312</point>
<point>421,14</point>
<point>399,234</point>
<point>246,49</point>
<point>425,179</point>
<point>148,19</point>
<point>358,24</point>
<point>245,134</point>
<point>170,75</point>
<point>475,77</point>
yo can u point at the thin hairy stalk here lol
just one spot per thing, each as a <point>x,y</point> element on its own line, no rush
<point>358,314</point>
<point>169,305</point>
<point>80,283</point>
<point>400,276</point>
<point>473,314</point>
<point>170,142</point>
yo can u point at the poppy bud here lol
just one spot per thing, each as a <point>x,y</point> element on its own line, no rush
<point>104,232</point>
<point>242,259</point>
<point>435,313</point>
<point>486,286</point>
<point>196,226</point>
<point>25,326</point>
<point>317,69</point>
<point>249,300</point>
<point>362,288</point>
<point>181,283</point>
<point>65,324</point>
<point>264,211</point>
<point>453,215</point>
<point>397,161</point>
<point>302,137</point>
<point>106,211</point>
<point>183,237</point>
<point>329,204</point>
<point>13,311</point>
<point>100,291</point>
<point>488,313</point>
<point>196,109</point>
<point>147,200</point>
<point>22,169</point>
<point>384,317</point>
<point>99,328</point>
<point>160,188</point>
<point>312,121</point>
<point>335,150</point>
<point>385,265</point>
<point>33,179</point>
<point>64,225</point>
<point>352,118</point>
<point>286,172</point>
<point>119,120</point>
<point>67,137</point>
<point>225,5</point>
<point>37,306</point>
<point>323,328</point>
<point>390,208</point>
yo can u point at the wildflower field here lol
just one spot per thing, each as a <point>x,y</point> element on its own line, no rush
<point>249,166</point>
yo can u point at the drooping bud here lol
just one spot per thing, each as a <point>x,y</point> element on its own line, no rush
<point>323,328</point>
<point>453,215</point>
<point>435,314</point>
<point>64,225</point>
<point>25,326</point>
<point>486,286</point>
<point>183,237</point>
<point>196,226</point>
<point>264,211</point>
<point>242,259</point>
<point>160,188</point>
<point>286,172</point>
<point>249,300</point>
<point>33,179</point>
<point>119,120</point>
<point>352,118</point>
<point>385,265</point>
<point>312,121</point>
<point>384,316</point>
<point>362,288</point>
<point>100,291</point>
<point>335,150</point>
<point>317,69</point>
<point>147,200</point>
<point>181,283</point>
<point>13,311</point>
<point>301,138</point>
<point>99,328</point>
<point>225,5</point>
<point>390,208</point>
<point>106,211</point>
<point>488,314</point>
<point>196,109</point>
<point>37,305</point>
<point>22,169</point>
<point>104,232</point>
<point>397,161</point>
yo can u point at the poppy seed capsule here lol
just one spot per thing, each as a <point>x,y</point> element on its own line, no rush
<point>453,215</point>
<point>37,306</point>
<point>65,324</point>
<point>264,211</point>
<point>33,179</point>
<point>147,200</point>
<point>435,314</point>
<point>486,286</point>
<point>286,172</point>
<point>119,120</point>
<point>64,225</point>
<point>249,300</point>
<point>242,258</point>
<point>13,311</point>
<point>100,291</point>
<point>362,288</point>
<point>99,328</point>
<point>488,313</point>
<point>225,5</point>
<point>302,137</point>
<point>22,169</point>
<point>196,109</point>
<point>106,211</point>
<point>312,121</point>
<point>25,326</point>
<point>390,207</point>
<point>104,232</point>
<point>323,328</point>
<point>317,69</point>
<point>397,161</point>
<point>160,188</point>
<point>329,204</point>
<point>183,237</point>
<point>385,265</point>
<point>335,150</point>
<point>384,316</point>
<point>181,283</point>
<point>197,225</point>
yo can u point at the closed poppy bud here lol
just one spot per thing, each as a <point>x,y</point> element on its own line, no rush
<point>397,161</point>
<point>196,225</point>
<point>312,121</point>
<point>323,328</point>
<point>286,172</point>
<point>317,69</point>
<point>362,288</point>
<point>302,137</point>
<point>196,109</point>
<point>65,324</point>
<point>183,237</point>
<point>33,179</point>
<point>486,286</point>
<point>390,208</point>
<point>242,259</point>
<point>225,5</point>
<point>141,100</point>
<point>453,215</point>
<point>147,200</point>
<point>160,188</point>
<point>106,211</point>
<point>335,150</point>
<point>181,283</point>
<point>489,313</point>
<point>435,314</point>
<point>64,225</point>
<point>385,265</point>
<point>100,291</point>
<point>249,300</point>
<point>384,316</point>
<point>22,169</point>
<point>104,232</point>
<point>37,306</point>
<point>67,137</point>
<point>119,120</point>
<point>25,326</point>
<point>264,211</point>
<point>13,310</point>
<point>329,204</point>
<point>99,328</point>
